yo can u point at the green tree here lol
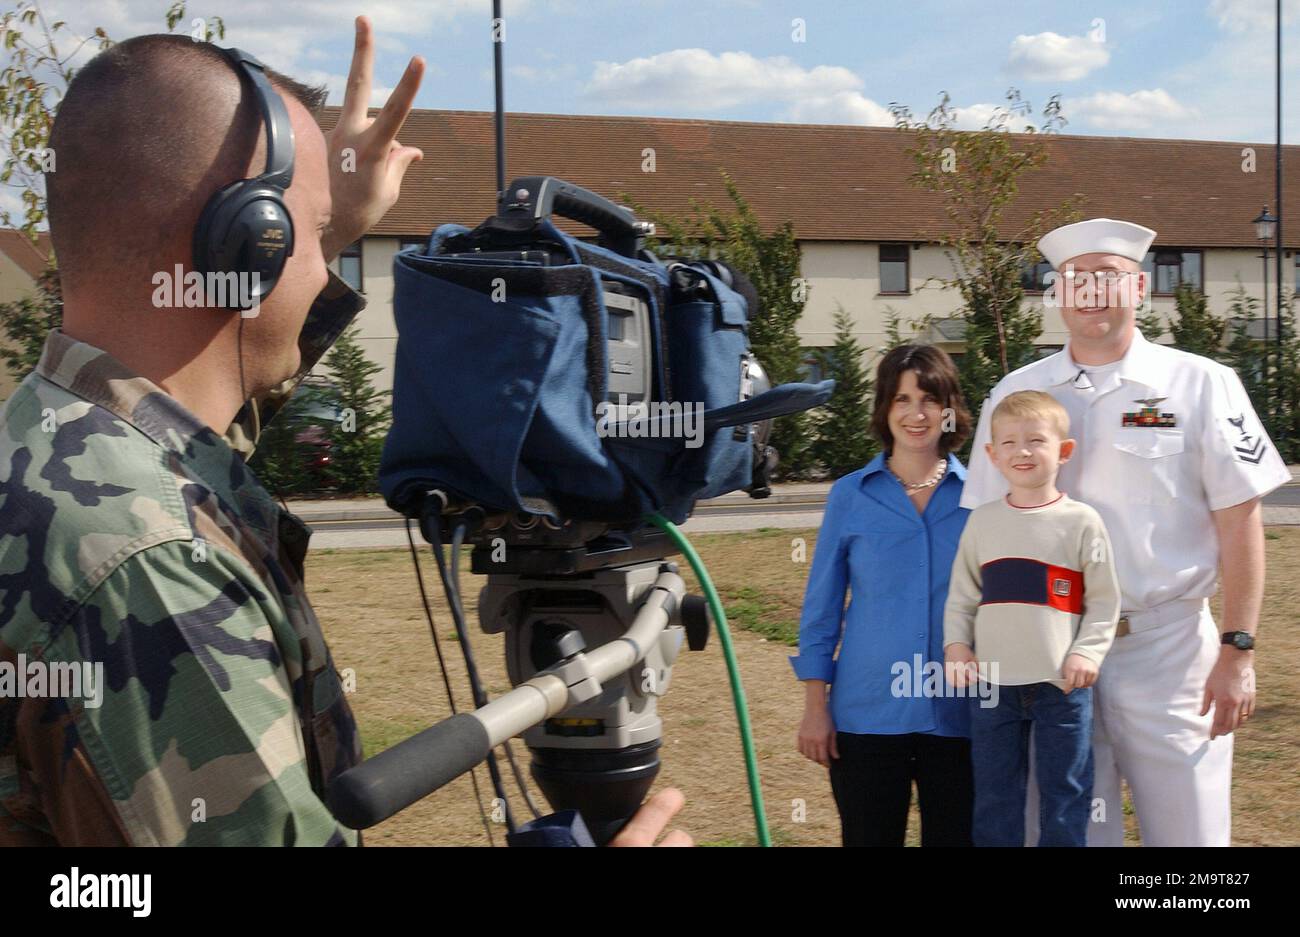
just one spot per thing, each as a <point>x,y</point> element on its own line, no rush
<point>844,442</point>
<point>1278,401</point>
<point>976,175</point>
<point>893,329</point>
<point>1195,329</point>
<point>1244,353</point>
<point>1150,323</point>
<point>27,320</point>
<point>895,324</point>
<point>1284,427</point>
<point>31,86</point>
<point>357,439</point>
<point>771,260</point>
<point>279,461</point>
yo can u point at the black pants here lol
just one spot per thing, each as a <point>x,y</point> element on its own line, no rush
<point>872,782</point>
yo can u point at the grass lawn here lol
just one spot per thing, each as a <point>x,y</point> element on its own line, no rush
<point>369,606</point>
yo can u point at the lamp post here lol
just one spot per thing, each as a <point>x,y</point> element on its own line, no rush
<point>1277,196</point>
<point>1265,225</point>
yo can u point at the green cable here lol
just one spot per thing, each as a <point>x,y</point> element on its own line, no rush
<point>733,671</point>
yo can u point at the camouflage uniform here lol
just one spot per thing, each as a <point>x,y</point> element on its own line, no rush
<point>133,535</point>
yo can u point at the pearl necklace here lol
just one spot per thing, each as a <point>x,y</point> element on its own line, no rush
<point>930,482</point>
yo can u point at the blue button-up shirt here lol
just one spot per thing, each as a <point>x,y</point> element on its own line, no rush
<point>894,563</point>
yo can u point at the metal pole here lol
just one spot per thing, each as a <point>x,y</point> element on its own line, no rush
<point>1281,216</point>
<point>1263,358</point>
<point>1268,387</point>
<point>498,39</point>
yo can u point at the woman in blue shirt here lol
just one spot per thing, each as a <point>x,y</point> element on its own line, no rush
<point>888,539</point>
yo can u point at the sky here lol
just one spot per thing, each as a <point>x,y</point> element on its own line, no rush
<point>1192,69</point>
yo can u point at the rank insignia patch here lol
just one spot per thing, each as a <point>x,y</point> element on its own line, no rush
<point>1149,415</point>
<point>1249,448</point>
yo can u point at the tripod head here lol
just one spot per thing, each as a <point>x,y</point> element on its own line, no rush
<point>600,755</point>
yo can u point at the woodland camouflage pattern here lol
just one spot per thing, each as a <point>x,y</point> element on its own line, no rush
<point>133,536</point>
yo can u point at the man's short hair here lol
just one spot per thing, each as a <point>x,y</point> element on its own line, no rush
<point>136,150</point>
<point>1029,405</point>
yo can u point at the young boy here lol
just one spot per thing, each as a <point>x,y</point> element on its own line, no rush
<point>1033,603</point>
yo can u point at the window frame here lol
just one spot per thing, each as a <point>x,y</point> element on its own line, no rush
<point>1036,290</point>
<point>355,249</point>
<point>1155,269</point>
<point>907,268</point>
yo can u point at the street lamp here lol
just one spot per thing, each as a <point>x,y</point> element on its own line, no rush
<point>1265,226</point>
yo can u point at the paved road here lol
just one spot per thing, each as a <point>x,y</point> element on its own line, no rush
<point>1286,495</point>
<point>369,524</point>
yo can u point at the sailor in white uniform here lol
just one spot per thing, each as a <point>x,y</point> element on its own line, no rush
<point>1172,455</point>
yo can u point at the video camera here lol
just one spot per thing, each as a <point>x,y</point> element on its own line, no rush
<point>540,412</point>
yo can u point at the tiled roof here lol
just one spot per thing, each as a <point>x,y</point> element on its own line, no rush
<point>833,182</point>
<point>30,257</point>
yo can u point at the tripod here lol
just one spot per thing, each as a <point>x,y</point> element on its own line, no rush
<point>589,716</point>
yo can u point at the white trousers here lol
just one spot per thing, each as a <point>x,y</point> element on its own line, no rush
<point>1147,730</point>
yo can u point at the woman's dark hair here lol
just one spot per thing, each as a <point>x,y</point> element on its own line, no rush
<point>936,374</point>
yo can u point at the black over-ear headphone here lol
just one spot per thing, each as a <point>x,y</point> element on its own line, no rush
<point>245,228</point>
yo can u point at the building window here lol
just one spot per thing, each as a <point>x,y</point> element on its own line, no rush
<point>1033,279</point>
<point>1297,271</point>
<point>350,266</point>
<point>1168,267</point>
<point>894,276</point>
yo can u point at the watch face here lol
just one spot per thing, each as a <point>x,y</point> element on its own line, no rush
<point>1242,641</point>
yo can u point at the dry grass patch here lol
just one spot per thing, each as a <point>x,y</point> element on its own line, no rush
<point>370,609</point>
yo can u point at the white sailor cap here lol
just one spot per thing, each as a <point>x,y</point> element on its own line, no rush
<point>1096,236</point>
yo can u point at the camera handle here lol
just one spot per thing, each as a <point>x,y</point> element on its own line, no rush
<point>539,197</point>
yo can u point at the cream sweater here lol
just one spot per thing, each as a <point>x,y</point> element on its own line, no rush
<point>1029,587</point>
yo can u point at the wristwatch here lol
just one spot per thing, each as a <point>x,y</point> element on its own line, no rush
<point>1241,640</point>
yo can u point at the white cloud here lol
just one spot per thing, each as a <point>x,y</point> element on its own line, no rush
<point>294,38</point>
<point>977,116</point>
<point>699,80</point>
<point>1051,57</point>
<point>1138,110</point>
<point>841,107</point>
<point>1248,15</point>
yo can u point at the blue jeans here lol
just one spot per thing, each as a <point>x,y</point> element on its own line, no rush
<point>1062,761</point>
